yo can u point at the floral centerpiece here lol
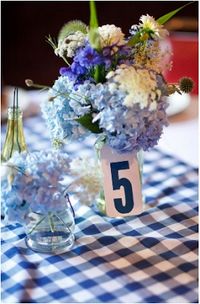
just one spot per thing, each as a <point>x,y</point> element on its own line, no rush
<point>111,84</point>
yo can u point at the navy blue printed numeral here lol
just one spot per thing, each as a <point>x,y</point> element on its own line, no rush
<point>124,182</point>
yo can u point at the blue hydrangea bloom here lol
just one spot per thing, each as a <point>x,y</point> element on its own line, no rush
<point>133,129</point>
<point>36,184</point>
<point>60,114</point>
<point>127,129</point>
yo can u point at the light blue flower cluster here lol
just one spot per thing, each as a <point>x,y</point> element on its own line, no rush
<point>36,184</point>
<point>61,113</point>
<point>128,129</point>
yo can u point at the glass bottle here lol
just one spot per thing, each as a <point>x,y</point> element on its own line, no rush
<point>15,140</point>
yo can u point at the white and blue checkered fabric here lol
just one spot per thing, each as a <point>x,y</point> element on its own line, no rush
<point>150,258</point>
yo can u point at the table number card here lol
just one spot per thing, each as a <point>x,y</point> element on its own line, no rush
<point>122,184</point>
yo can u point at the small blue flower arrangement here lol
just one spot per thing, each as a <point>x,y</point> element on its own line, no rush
<point>111,84</point>
<point>33,182</point>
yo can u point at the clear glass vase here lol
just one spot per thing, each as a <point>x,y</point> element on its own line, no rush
<point>52,232</point>
<point>100,203</point>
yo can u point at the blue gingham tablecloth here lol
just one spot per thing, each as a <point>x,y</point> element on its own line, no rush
<point>150,258</point>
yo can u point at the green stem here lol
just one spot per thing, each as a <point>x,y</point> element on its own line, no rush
<point>38,223</point>
<point>65,60</point>
<point>60,219</point>
<point>40,86</point>
<point>51,223</point>
<point>68,95</point>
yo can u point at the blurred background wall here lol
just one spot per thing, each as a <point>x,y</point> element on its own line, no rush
<point>25,54</point>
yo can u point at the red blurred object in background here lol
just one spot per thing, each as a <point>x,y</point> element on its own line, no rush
<point>185,58</point>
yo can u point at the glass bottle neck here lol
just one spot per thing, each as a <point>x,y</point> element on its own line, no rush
<point>14,113</point>
<point>15,140</point>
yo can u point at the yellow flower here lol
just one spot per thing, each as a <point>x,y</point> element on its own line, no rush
<point>149,24</point>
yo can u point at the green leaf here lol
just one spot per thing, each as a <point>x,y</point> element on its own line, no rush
<point>72,27</point>
<point>168,16</point>
<point>93,15</point>
<point>86,122</point>
<point>99,73</point>
<point>93,33</point>
<point>134,39</point>
<point>94,38</point>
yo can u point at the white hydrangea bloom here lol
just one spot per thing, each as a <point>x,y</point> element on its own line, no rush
<point>149,23</point>
<point>88,179</point>
<point>68,46</point>
<point>111,35</point>
<point>140,86</point>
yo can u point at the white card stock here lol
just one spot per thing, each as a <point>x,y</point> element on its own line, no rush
<point>122,183</point>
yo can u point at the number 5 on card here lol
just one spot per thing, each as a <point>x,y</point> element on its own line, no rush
<point>121,182</point>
